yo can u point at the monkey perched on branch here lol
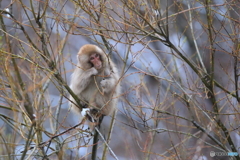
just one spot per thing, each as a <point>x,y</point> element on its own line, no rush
<point>95,81</point>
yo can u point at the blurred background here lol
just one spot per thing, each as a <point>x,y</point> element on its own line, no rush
<point>179,66</point>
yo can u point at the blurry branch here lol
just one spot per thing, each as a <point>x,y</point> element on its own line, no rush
<point>188,97</point>
<point>62,133</point>
<point>39,10</point>
<point>212,82</point>
<point>10,108</point>
<point>237,68</point>
<point>197,126</point>
<point>194,38</point>
<point>95,14</point>
<point>55,122</point>
<point>95,143</point>
<point>5,145</point>
<point>48,142</point>
<point>29,139</point>
<point>162,34</point>
<point>156,121</point>
<point>196,8</point>
<point>12,123</point>
<point>27,102</point>
<point>104,156</point>
<point>46,55</point>
<point>203,76</point>
<point>209,135</point>
<point>160,130</point>
<point>206,131</point>
<point>22,29</point>
<point>212,55</point>
<point>106,143</point>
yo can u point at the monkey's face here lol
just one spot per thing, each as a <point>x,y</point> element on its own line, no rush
<point>95,60</point>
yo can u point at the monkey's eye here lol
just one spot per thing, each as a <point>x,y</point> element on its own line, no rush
<point>91,58</point>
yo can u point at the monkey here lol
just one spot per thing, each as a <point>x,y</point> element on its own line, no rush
<point>95,81</point>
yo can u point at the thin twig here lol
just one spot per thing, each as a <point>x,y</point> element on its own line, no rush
<point>114,155</point>
<point>109,135</point>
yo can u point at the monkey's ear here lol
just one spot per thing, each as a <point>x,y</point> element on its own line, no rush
<point>79,58</point>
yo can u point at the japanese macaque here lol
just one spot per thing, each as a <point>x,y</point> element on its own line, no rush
<point>95,80</point>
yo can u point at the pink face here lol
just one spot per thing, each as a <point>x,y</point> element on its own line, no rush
<point>95,59</point>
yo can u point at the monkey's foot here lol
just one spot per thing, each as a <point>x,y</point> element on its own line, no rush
<point>84,111</point>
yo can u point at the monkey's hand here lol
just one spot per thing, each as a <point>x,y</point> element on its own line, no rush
<point>106,85</point>
<point>93,71</point>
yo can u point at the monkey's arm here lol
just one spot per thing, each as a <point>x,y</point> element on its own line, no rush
<point>81,79</point>
<point>110,83</point>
